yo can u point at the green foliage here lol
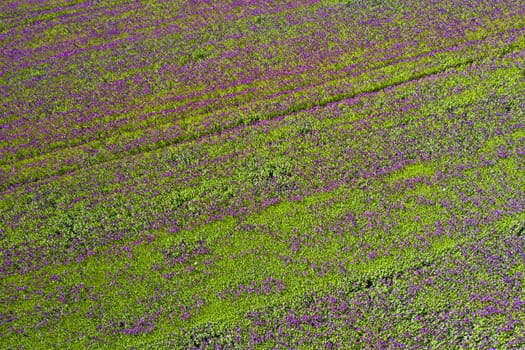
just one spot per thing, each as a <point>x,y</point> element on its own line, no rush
<point>177,173</point>
<point>201,53</point>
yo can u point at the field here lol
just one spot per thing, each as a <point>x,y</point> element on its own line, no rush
<point>314,174</point>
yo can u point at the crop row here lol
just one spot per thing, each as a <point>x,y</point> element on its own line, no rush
<point>46,140</point>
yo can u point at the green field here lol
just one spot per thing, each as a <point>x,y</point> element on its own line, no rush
<point>254,174</point>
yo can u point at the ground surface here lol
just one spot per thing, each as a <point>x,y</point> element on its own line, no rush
<point>262,174</point>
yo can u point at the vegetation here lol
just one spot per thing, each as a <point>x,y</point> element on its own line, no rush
<point>276,174</point>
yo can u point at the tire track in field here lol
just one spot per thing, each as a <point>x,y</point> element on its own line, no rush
<point>153,126</point>
<point>4,185</point>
